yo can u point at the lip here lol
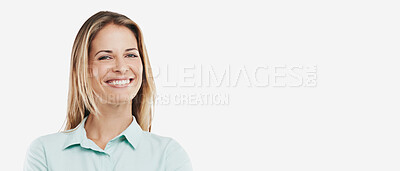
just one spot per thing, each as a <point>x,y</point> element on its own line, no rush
<point>119,86</point>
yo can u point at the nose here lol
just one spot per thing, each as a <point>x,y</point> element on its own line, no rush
<point>120,66</point>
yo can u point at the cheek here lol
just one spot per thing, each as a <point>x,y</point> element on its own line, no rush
<point>137,69</point>
<point>141,70</point>
<point>98,71</point>
<point>94,72</point>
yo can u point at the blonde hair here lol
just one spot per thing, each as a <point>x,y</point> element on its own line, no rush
<point>81,101</point>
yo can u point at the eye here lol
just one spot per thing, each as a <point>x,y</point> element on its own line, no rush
<point>105,57</point>
<point>131,55</point>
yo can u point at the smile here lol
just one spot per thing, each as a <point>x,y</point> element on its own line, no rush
<point>118,83</point>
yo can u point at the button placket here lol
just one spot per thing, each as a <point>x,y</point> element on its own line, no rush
<point>108,146</point>
<point>108,165</point>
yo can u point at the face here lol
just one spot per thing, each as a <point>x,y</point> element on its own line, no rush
<point>115,65</point>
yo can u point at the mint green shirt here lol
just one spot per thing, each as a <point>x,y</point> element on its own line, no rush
<point>133,150</point>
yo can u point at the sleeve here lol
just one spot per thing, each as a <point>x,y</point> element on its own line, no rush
<point>177,159</point>
<point>35,159</point>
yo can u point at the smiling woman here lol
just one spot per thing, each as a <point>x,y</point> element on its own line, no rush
<point>109,107</point>
<point>116,66</point>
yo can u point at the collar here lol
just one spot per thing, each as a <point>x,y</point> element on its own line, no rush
<point>78,136</point>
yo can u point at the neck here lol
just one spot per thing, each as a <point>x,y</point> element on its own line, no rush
<point>114,119</point>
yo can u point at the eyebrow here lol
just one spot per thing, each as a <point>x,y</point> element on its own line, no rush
<point>110,51</point>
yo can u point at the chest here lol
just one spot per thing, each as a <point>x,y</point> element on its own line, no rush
<point>118,158</point>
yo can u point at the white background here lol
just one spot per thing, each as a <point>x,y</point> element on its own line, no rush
<point>348,121</point>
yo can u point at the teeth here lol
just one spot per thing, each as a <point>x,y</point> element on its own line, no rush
<point>119,82</point>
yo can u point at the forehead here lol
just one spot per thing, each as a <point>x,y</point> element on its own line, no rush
<point>114,37</point>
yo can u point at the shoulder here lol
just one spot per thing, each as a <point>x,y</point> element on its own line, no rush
<point>176,157</point>
<point>161,141</point>
<point>54,139</point>
<point>50,142</point>
<point>36,154</point>
<point>155,138</point>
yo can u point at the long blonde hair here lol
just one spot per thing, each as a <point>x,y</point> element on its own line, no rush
<point>81,101</point>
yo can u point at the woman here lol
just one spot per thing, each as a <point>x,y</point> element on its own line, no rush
<point>109,107</point>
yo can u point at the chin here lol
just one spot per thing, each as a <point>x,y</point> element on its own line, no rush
<point>118,102</point>
<point>116,98</point>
